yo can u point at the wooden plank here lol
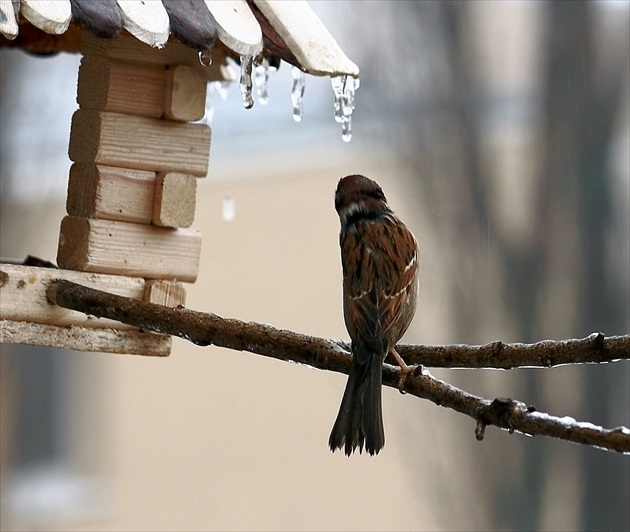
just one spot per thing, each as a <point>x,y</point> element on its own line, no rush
<point>23,295</point>
<point>8,20</point>
<point>111,193</point>
<point>123,248</point>
<point>119,87</point>
<point>146,20</point>
<point>102,18</point>
<point>128,48</point>
<point>80,338</point>
<point>174,200</point>
<point>308,39</point>
<point>51,17</point>
<point>273,43</point>
<point>167,293</point>
<point>185,95</point>
<point>138,142</point>
<point>36,41</point>
<point>191,23</point>
<point>237,26</point>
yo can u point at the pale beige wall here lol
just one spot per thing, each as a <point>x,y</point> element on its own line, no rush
<point>215,439</point>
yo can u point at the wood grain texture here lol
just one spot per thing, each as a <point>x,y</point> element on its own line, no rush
<point>128,48</point>
<point>236,25</point>
<point>307,38</point>
<point>174,200</point>
<point>8,19</point>
<point>191,23</point>
<point>51,17</point>
<point>119,87</point>
<point>77,338</point>
<point>185,95</point>
<point>111,193</point>
<point>138,142</point>
<point>166,293</point>
<point>102,18</point>
<point>123,248</point>
<point>23,295</point>
<point>146,20</point>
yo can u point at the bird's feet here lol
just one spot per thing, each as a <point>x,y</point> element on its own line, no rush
<point>404,370</point>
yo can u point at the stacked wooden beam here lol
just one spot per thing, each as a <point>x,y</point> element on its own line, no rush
<point>137,155</point>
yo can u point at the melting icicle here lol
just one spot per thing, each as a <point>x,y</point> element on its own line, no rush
<point>222,88</point>
<point>344,88</point>
<point>337,84</point>
<point>261,79</point>
<point>209,111</point>
<point>205,57</point>
<point>214,87</point>
<point>297,93</point>
<point>246,81</point>
<point>346,130</point>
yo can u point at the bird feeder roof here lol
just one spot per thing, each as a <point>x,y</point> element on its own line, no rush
<point>289,30</point>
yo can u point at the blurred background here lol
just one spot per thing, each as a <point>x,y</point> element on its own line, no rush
<point>500,134</point>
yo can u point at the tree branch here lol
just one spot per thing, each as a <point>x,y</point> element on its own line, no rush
<point>594,349</point>
<point>210,329</point>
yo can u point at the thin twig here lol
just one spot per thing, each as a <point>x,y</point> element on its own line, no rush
<point>207,329</point>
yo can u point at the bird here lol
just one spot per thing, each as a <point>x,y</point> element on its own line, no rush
<point>379,257</point>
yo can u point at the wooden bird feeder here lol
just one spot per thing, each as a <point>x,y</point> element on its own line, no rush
<point>138,147</point>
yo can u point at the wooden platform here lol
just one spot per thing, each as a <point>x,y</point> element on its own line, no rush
<point>26,317</point>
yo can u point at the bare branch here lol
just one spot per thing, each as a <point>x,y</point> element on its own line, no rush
<point>509,414</point>
<point>594,349</point>
<point>210,329</point>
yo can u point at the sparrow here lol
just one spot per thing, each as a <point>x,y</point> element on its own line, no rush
<point>379,258</point>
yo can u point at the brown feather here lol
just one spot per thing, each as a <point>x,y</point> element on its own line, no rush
<point>379,258</point>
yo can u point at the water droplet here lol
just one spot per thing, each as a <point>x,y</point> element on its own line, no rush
<point>261,79</point>
<point>205,57</point>
<point>344,88</point>
<point>297,93</point>
<point>228,211</point>
<point>246,81</point>
<point>346,130</point>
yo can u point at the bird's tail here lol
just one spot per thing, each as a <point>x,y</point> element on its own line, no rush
<point>360,418</point>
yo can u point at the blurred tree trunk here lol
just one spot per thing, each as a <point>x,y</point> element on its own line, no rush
<point>558,278</point>
<point>573,198</point>
<point>568,260</point>
<point>580,128</point>
<point>573,219</point>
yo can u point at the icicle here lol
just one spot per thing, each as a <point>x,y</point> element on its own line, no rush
<point>205,57</point>
<point>261,79</point>
<point>337,84</point>
<point>346,130</point>
<point>344,88</point>
<point>222,88</point>
<point>214,87</point>
<point>297,93</point>
<point>209,112</point>
<point>246,81</point>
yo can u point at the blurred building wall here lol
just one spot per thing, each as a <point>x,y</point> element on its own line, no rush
<point>214,439</point>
